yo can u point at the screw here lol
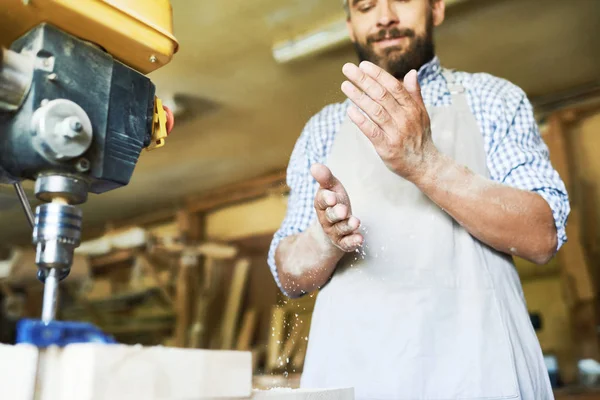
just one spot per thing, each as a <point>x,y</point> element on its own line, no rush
<point>153,59</point>
<point>52,77</point>
<point>82,165</point>
<point>76,126</point>
<point>46,62</point>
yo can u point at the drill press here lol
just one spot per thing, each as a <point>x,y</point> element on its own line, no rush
<point>76,111</point>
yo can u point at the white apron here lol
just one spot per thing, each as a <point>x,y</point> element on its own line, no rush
<point>424,311</point>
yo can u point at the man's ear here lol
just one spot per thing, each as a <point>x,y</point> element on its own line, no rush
<point>438,8</point>
<point>350,30</point>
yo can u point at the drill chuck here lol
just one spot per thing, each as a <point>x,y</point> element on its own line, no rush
<point>56,233</point>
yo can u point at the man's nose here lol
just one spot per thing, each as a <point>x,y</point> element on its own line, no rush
<point>387,15</point>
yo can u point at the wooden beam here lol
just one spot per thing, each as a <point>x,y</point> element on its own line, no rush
<point>163,214</point>
<point>191,229</point>
<point>247,330</point>
<point>183,300</point>
<point>234,303</point>
<point>189,225</point>
<point>238,192</point>
<point>580,290</point>
<point>151,268</point>
<point>572,256</point>
<point>220,197</point>
<point>112,258</point>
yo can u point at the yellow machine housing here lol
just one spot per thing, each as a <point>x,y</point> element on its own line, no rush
<point>139,33</point>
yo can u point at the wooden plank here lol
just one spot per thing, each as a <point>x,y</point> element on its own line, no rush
<point>247,331</point>
<point>304,394</point>
<point>18,366</point>
<point>207,292</point>
<point>102,372</point>
<point>579,287</point>
<point>234,303</point>
<point>293,340</point>
<point>189,226</point>
<point>252,218</point>
<point>191,230</point>
<point>276,339</point>
<point>239,192</point>
<point>112,258</point>
<point>183,299</point>
<point>572,256</point>
<point>298,358</point>
<point>91,371</point>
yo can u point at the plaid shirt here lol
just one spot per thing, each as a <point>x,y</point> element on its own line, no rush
<point>516,154</point>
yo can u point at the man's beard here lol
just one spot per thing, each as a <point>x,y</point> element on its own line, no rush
<point>420,50</point>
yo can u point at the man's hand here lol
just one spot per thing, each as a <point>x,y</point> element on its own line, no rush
<point>334,211</point>
<point>398,124</point>
<point>513,221</point>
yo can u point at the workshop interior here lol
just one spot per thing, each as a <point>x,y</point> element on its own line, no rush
<point>143,155</point>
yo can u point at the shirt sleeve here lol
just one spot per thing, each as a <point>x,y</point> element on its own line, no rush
<point>520,158</point>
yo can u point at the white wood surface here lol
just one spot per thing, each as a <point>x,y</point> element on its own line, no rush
<point>304,394</point>
<point>119,372</point>
<point>115,372</point>
<point>17,371</point>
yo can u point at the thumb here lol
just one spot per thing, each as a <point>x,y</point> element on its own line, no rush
<point>411,84</point>
<point>324,176</point>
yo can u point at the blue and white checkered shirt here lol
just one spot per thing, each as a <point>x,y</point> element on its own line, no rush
<point>516,154</point>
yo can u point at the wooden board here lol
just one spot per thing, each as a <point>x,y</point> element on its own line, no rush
<point>304,394</point>
<point>102,372</point>
<point>17,371</point>
<point>234,303</point>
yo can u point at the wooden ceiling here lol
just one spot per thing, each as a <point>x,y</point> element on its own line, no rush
<point>245,111</point>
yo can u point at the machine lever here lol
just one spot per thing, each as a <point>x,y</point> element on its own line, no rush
<point>25,203</point>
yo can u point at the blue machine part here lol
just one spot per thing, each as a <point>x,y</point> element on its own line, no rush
<point>59,333</point>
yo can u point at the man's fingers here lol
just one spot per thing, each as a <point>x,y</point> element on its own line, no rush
<point>411,84</point>
<point>369,94</point>
<point>376,112</point>
<point>325,199</point>
<point>323,175</point>
<point>393,85</point>
<point>346,226</point>
<point>351,242</point>
<point>375,134</point>
<point>337,213</point>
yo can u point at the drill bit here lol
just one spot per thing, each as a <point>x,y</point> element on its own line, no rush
<point>50,296</point>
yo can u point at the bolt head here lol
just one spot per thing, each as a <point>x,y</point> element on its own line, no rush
<point>82,165</point>
<point>76,125</point>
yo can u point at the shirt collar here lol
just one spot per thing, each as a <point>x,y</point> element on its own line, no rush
<point>429,71</point>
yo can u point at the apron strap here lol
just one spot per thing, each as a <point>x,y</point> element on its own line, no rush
<point>456,89</point>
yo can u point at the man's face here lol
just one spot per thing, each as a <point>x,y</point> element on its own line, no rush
<point>397,35</point>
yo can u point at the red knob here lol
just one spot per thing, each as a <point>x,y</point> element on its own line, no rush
<point>170,119</point>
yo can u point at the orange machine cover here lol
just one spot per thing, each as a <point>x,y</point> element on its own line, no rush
<point>139,33</point>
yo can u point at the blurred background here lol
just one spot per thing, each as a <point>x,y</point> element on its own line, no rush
<point>178,257</point>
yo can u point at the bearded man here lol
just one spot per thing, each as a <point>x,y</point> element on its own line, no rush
<point>408,202</point>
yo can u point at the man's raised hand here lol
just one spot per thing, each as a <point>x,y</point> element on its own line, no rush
<point>398,123</point>
<point>334,212</point>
